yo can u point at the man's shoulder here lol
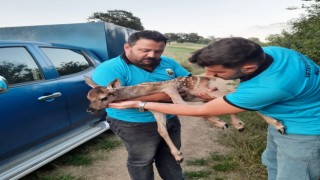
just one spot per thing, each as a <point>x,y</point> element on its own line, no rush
<point>113,60</point>
<point>114,64</point>
<point>166,58</point>
<point>168,61</point>
<point>116,61</point>
<point>278,51</point>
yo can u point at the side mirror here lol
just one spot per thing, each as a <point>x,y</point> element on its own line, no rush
<point>4,86</point>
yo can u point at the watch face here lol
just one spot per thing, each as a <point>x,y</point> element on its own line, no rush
<point>141,106</point>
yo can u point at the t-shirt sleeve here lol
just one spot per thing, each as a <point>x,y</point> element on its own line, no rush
<point>256,98</point>
<point>107,72</point>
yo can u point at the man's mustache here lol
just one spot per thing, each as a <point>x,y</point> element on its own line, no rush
<point>152,59</point>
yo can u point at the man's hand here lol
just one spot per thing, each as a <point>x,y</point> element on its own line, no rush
<point>207,96</point>
<point>183,92</point>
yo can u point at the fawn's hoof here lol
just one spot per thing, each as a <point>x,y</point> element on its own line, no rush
<point>225,127</point>
<point>241,129</point>
<point>180,161</point>
<point>219,126</point>
<point>282,131</point>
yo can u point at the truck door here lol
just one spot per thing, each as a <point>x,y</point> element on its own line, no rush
<point>72,65</point>
<point>32,108</point>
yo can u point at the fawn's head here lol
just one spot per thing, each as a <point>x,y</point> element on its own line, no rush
<point>100,96</point>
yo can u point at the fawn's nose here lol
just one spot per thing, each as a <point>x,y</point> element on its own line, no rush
<point>90,110</point>
<point>210,73</point>
<point>93,111</point>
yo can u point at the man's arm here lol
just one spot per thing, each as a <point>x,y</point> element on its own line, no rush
<point>215,107</point>
<point>158,97</point>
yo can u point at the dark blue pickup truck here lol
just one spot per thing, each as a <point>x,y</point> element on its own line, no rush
<point>43,104</point>
<point>42,90</point>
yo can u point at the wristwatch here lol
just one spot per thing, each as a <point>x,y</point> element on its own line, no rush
<point>141,106</point>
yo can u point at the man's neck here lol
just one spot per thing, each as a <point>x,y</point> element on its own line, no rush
<point>267,62</point>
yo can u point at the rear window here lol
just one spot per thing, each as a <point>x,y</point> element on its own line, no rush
<point>18,66</point>
<point>67,61</point>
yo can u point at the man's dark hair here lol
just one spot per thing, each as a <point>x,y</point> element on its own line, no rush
<point>147,34</point>
<point>229,52</point>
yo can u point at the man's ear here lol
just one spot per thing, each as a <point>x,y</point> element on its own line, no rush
<point>249,68</point>
<point>126,47</point>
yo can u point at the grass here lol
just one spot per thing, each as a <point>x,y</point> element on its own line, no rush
<point>242,161</point>
<point>82,156</point>
<point>181,52</point>
<point>198,174</point>
<point>58,177</point>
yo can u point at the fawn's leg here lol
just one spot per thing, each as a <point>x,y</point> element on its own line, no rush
<point>162,129</point>
<point>174,95</point>
<point>237,123</point>
<point>277,124</point>
<point>176,98</point>
<point>217,122</point>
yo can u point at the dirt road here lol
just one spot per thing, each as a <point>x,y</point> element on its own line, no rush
<point>198,140</point>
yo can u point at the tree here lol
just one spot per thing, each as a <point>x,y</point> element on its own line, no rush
<point>118,17</point>
<point>172,36</point>
<point>212,38</point>
<point>193,37</point>
<point>182,37</point>
<point>304,35</point>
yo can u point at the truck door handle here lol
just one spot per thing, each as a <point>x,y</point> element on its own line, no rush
<point>51,96</point>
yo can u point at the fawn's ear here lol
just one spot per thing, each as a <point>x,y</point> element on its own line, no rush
<point>90,82</point>
<point>114,84</point>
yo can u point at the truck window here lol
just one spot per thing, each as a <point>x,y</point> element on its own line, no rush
<point>18,66</point>
<point>67,61</point>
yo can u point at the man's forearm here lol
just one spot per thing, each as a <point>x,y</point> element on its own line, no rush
<point>158,97</point>
<point>213,108</point>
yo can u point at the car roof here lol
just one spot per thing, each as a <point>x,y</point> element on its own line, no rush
<point>20,42</point>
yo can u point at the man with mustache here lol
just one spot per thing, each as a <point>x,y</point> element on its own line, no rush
<point>142,62</point>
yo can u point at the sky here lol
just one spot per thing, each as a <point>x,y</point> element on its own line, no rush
<point>218,18</point>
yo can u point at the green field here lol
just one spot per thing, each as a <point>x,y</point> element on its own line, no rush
<point>242,160</point>
<point>181,52</point>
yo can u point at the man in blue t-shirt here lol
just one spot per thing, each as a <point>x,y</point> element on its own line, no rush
<point>277,82</point>
<point>142,62</point>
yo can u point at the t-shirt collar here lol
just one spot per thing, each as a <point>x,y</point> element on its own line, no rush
<point>269,60</point>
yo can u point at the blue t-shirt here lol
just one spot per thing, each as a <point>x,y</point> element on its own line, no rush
<point>130,75</point>
<point>288,90</point>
